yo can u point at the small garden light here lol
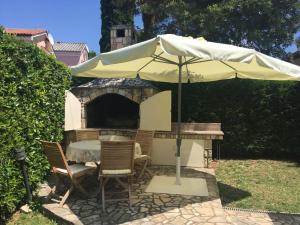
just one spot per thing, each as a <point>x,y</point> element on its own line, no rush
<point>20,157</point>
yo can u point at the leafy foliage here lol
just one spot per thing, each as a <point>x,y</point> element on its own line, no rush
<point>32,92</point>
<point>259,118</point>
<point>114,12</point>
<point>268,26</point>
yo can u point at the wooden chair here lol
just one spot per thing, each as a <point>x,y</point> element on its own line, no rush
<point>117,160</point>
<point>145,139</point>
<point>82,135</point>
<point>60,167</point>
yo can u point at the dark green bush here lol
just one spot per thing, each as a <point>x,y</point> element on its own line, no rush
<point>259,118</point>
<point>31,109</point>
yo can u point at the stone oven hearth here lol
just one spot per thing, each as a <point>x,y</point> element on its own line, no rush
<point>112,103</point>
<point>112,111</point>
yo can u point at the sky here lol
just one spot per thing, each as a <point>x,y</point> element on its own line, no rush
<point>66,20</point>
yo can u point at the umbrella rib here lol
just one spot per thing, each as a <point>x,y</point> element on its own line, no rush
<point>230,67</point>
<point>200,61</point>
<point>164,59</point>
<point>150,61</point>
<point>190,60</point>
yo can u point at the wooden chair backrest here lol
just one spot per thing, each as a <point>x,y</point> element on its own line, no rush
<point>82,135</point>
<point>55,155</point>
<point>117,155</point>
<point>145,139</point>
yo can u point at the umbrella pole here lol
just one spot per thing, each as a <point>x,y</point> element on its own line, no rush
<point>178,139</point>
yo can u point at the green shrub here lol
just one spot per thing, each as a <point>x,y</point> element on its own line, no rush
<point>32,92</point>
<point>259,118</point>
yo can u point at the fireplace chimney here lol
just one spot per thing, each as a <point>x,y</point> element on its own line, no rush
<point>122,36</point>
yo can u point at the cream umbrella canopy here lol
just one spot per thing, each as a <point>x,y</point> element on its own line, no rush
<point>176,59</point>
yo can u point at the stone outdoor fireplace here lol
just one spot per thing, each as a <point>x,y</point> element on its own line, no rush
<point>112,103</point>
<point>112,111</point>
<point>120,106</point>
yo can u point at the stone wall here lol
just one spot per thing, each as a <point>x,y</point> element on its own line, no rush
<point>86,95</point>
<point>116,41</point>
<point>207,136</point>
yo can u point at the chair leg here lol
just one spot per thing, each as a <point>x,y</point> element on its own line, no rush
<point>143,169</point>
<point>129,190</point>
<point>120,182</point>
<point>103,195</point>
<point>79,187</point>
<point>65,197</point>
<point>150,172</point>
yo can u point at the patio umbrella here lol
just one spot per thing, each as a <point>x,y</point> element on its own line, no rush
<point>176,59</point>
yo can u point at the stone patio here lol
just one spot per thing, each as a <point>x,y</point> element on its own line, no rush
<point>150,208</point>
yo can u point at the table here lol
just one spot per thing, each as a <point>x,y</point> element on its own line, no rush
<point>90,151</point>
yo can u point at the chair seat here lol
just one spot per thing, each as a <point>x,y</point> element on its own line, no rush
<point>116,172</point>
<point>142,157</point>
<point>75,169</point>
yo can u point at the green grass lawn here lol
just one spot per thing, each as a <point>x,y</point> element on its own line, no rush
<point>259,184</point>
<point>34,218</point>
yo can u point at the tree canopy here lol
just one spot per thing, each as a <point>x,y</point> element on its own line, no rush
<point>259,118</point>
<point>267,26</point>
<point>114,12</point>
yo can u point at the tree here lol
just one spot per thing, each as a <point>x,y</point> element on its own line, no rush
<point>91,54</point>
<point>106,12</point>
<point>267,26</point>
<point>151,16</point>
<point>298,43</point>
<point>114,12</point>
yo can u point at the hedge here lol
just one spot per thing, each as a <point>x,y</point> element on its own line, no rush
<point>259,118</point>
<point>32,91</point>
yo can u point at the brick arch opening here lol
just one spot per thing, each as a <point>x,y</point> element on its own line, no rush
<point>127,93</point>
<point>112,111</point>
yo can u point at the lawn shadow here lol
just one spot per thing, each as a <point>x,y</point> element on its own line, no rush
<point>230,194</point>
<point>295,164</point>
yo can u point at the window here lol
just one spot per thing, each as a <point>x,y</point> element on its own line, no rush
<point>120,32</point>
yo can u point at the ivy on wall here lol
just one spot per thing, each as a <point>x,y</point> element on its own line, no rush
<point>32,90</point>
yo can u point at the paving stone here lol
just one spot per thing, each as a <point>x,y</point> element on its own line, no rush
<point>199,219</point>
<point>205,211</point>
<point>87,207</point>
<point>158,209</point>
<point>217,219</point>
<point>179,220</point>
<point>219,211</point>
<point>171,215</point>
<point>187,216</point>
<point>90,219</point>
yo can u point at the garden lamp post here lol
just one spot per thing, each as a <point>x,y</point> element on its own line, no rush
<point>20,157</point>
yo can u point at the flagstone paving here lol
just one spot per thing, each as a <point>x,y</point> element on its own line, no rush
<point>152,208</point>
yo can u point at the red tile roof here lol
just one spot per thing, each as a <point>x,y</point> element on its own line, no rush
<point>25,32</point>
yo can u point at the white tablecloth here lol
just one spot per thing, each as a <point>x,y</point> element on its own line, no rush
<point>90,151</point>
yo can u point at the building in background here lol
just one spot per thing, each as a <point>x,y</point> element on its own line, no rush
<point>71,53</point>
<point>40,37</point>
